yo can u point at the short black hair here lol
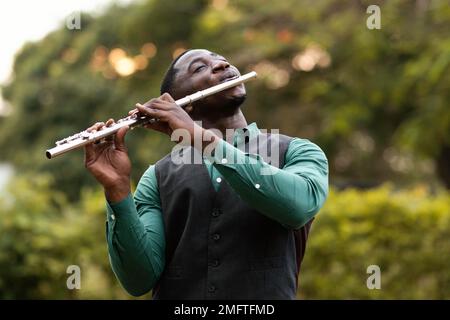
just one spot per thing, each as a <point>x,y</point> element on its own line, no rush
<point>169,77</point>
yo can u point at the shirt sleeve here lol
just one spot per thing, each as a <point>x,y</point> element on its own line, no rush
<point>291,195</point>
<point>135,237</point>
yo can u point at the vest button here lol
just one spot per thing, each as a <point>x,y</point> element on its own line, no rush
<point>216,237</point>
<point>214,263</point>
<point>211,288</point>
<point>216,212</point>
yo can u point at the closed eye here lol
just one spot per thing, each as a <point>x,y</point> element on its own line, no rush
<point>199,68</point>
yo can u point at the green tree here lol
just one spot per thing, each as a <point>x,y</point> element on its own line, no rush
<point>405,233</point>
<point>375,100</point>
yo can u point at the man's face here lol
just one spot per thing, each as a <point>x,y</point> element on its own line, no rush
<point>200,69</point>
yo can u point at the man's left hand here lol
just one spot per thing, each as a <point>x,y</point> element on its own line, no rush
<point>169,115</point>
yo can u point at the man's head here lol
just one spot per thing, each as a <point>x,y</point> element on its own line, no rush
<point>199,69</point>
<point>169,77</point>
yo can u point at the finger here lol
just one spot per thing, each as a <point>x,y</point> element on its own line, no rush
<point>104,143</point>
<point>135,110</point>
<point>138,106</point>
<point>109,122</point>
<point>97,126</point>
<point>109,138</point>
<point>189,109</point>
<point>120,139</point>
<point>91,128</point>
<point>167,97</point>
<point>150,111</point>
<point>158,101</point>
<point>100,126</point>
<point>148,103</point>
<point>160,105</point>
<point>158,126</point>
<point>88,153</point>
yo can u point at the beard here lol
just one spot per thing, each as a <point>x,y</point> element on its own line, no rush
<point>223,108</point>
<point>234,102</point>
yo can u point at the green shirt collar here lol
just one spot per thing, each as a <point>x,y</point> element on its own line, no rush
<point>250,131</point>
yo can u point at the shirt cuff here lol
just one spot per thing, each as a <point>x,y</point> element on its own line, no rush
<point>122,210</point>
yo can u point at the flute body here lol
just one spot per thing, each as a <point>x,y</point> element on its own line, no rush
<point>83,138</point>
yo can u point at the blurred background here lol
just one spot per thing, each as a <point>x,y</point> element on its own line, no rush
<point>376,101</point>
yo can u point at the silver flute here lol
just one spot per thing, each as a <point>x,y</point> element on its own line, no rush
<point>83,138</point>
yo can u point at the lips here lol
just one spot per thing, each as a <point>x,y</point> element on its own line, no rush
<point>228,76</point>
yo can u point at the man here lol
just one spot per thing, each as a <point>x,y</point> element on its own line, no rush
<point>219,229</point>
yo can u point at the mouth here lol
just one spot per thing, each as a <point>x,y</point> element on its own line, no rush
<point>228,77</point>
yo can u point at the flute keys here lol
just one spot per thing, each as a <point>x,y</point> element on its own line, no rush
<point>60,142</point>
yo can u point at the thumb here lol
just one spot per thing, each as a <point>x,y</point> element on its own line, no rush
<point>89,153</point>
<point>158,126</point>
<point>167,97</point>
<point>119,139</point>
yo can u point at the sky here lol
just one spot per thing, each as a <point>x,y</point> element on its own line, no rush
<point>31,20</point>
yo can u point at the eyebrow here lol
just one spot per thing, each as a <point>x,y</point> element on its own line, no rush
<point>194,61</point>
<point>201,58</point>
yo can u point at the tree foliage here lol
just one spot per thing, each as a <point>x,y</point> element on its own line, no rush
<point>375,100</point>
<point>405,233</point>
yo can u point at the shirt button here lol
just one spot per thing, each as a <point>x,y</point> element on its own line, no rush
<point>214,263</point>
<point>216,212</point>
<point>113,217</point>
<point>216,236</point>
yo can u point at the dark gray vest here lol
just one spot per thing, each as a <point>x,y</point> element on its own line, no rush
<point>218,247</point>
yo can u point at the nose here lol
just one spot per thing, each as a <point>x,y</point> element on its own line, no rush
<point>220,65</point>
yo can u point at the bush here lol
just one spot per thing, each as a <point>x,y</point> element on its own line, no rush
<point>41,234</point>
<point>405,233</point>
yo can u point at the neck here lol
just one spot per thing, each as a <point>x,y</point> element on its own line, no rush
<point>222,122</point>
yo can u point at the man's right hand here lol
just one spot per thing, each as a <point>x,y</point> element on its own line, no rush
<point>109,163</point>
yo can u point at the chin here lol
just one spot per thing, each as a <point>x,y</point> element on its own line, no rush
<point>235,96</point>
<point>227,104</point>
<point>234,101</point>
<point>238,100</point>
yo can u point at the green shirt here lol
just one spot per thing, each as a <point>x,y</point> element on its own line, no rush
<point>292,196</point>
